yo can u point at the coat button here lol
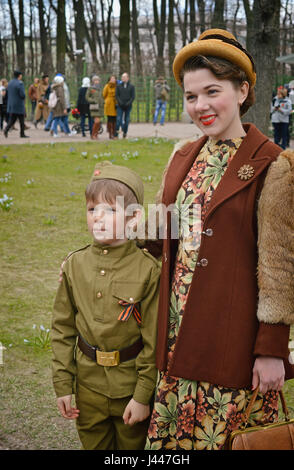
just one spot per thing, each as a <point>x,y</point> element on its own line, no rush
<point>209,232</point>
<point>131,299</point>
<point>204,262</point>
<point>102,272</point>
<point>99,295</point>
<point>105,252</point>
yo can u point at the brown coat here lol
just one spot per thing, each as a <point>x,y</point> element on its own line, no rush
<point>220,335</point>
<point>33,92</point>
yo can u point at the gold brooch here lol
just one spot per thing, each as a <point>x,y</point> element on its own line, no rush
<point>246,172</point>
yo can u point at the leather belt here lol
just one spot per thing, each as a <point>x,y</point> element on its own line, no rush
<point>110,358</point>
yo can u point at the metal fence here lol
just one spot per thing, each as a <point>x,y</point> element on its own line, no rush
<point>144,104</point>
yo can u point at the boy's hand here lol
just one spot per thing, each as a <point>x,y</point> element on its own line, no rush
<point>65,408</point>
<point>135,412</point>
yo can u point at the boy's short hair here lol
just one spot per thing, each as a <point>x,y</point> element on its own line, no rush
<point>107,190</point>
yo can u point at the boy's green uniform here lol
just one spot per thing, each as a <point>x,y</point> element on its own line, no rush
<point>99,282</point>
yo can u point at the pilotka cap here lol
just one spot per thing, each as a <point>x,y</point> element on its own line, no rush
<point>106,170</point>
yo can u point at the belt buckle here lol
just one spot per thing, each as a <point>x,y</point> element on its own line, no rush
<point>110,359</point>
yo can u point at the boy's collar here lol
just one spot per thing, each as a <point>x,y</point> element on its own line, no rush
<point>117,251</point>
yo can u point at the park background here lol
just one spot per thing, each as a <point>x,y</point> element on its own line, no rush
<point>141,37</point>
<point>42,211</point>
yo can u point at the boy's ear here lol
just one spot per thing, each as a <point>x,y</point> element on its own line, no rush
<point>138,215</point>
<point>133,223</point>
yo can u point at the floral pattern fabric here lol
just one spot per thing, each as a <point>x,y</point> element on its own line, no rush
<point>189,414</point>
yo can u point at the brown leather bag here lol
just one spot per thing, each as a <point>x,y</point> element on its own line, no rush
<point>273,436</point>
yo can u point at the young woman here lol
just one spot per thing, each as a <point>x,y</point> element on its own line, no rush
<point>110,105</point>
<point>222,329</point>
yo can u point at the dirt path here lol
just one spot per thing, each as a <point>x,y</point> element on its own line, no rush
<point>170,130</point>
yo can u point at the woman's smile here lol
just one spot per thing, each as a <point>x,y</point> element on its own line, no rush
<point>207,120</point>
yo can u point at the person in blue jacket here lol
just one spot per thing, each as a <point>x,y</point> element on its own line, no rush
<point>15,105</point>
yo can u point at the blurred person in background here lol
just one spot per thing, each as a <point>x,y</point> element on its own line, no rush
<point>96,104</point>
<point>33,95</point>
<point>83,106</point>
<point>281,109</point>
<point>3,102</point>
<point>16,103</point>
<point>110,105</point>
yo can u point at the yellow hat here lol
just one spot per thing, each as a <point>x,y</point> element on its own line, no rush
<point>216,43</point>
<point>106,170</point>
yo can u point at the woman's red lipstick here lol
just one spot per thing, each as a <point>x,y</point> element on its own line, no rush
<point>208,119</point>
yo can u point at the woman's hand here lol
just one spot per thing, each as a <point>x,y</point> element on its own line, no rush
<point>268,374</point>
<point>135,412</point>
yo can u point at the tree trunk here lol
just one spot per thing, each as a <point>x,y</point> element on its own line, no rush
<point>107,38</point>
<point>171,35</point>
<point>265,48</point>
<point>31,71</point>
<point>201,9</point>
<point>218,14</point>
<point>61,37</point>
<point>18,34</point>
<point>46,65</point>
<point>234,27</point>
<point>160,27</point>
<point>250,27</point>
<point>182,24</point>
<point>137,58</point>
<point>193,32</point>
<point>92,33</point>
<point>124,36</point>
<point>80,35</point>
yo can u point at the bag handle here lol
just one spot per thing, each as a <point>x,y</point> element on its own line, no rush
<point>247,412</point>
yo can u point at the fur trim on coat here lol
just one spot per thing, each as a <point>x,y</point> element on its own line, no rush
<point>276,242</point>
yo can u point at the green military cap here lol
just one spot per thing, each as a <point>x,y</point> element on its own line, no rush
<point>106,170</point>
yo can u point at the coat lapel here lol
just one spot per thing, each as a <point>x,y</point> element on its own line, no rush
<point>247,154</point>
<point>230,183</point>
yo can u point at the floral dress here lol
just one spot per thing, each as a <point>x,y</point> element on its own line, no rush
<point>189,414</point>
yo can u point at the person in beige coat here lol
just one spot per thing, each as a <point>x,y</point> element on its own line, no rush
<point>42,110</point>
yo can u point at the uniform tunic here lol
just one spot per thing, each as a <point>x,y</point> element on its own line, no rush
<point>95,279</point>
<point>189,414</point>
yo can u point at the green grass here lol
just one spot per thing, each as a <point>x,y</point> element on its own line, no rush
<point>45,222</point>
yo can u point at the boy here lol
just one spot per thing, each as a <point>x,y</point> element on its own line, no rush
<point>104,321</point>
